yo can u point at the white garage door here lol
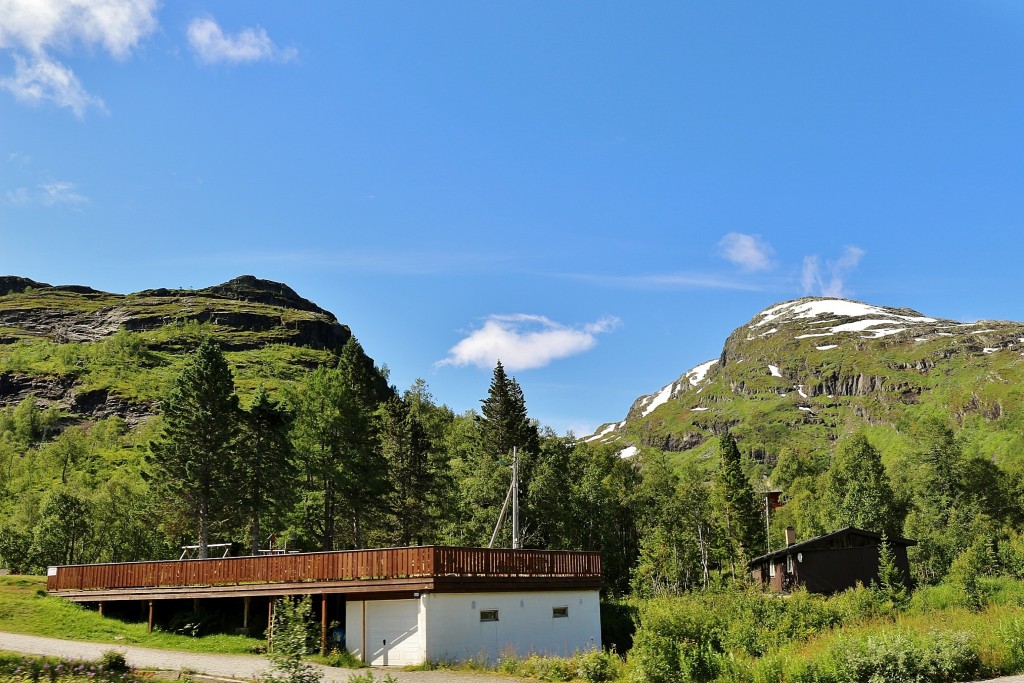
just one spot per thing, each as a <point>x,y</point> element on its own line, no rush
<point>393,637</point>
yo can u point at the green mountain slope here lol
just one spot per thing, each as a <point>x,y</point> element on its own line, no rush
<point>95,354</point>
<point>803,373</point>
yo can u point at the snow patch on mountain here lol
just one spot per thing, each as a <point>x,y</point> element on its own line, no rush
<point>697,375</point>
<point>606,431</point>
<point>826,347</point>
<point>774,369</point>
<point>659,399</point>
<point>628,452</point>
<point>815,308</point>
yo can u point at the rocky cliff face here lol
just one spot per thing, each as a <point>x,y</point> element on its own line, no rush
<point>73,313</point>
<point>245,315</point>
<point>803,372</point>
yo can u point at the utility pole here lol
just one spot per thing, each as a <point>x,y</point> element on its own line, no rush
<point>515,498</point>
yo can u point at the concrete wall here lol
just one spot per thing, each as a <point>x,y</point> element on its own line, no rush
<point>447,626</point>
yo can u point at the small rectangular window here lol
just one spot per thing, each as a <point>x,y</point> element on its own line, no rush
<point>488,615</point>
<point>771,569</point>
<point>789,564</point>
<point>560,612</point>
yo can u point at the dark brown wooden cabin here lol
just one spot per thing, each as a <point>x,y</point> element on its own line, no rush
<point>829,563</point>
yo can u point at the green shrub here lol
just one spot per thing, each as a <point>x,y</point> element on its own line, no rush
<point>598,665</point>
<point>112,660</point>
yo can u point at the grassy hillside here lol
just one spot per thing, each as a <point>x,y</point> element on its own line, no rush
<point>25,608</point>
<point>794,384</point>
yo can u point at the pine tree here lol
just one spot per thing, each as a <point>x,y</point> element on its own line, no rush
<point>192,460</point>
<point>344,475</point>
<point>265,470</point>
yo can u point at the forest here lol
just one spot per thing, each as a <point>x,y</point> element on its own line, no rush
<point>340,459</point>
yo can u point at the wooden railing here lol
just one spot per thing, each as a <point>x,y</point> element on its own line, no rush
<point>349,565</point>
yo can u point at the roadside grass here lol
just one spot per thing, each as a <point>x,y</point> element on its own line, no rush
<point>25,608</point>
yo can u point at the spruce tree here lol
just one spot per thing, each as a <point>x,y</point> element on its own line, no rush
<point>192,461</point>
<point>891,581</point>
<point>738,509</point>
<point>505,424</point>
<point>856,490</point>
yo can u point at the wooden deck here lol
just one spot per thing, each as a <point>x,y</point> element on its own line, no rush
<point>366,572</point>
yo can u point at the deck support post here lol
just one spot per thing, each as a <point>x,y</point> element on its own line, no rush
<point>245,612</point>
<point>362,650</point>
<point>323,624</point>
<point>101,608</point>
<point>270,624</point>
<point>149,623</point>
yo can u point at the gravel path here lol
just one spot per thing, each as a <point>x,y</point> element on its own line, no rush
<point>231,666</point>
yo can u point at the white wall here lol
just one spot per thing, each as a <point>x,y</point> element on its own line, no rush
<point>525,624</point>
<point>447,627</point>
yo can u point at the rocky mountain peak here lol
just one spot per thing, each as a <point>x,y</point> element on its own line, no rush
<point>252,288</point>
<point>818,364</point>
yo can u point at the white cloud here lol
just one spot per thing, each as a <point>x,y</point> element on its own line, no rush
<point>51,193</point>
<point>662,281</point>
<point>212,45</point>
<point>43,80</point>
<point>830,280</point>
<point>523,342</point>
<point>61,192</point>
<point>31,30</point>
<point>749,252</point>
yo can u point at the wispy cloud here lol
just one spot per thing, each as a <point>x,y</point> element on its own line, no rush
<point>43,80</point>
<point>213,46</point>
<point>32,30</point>
<point>523,342</point>
<point>749,252</point>
<point>830,279</point>
<point>678,280</point>
<point>382,260</point>
<point>53,193</point>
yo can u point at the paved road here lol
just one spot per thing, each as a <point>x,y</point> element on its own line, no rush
<point>233,666</point>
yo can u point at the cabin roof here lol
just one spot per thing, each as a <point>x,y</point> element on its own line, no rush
<point>818,541</point>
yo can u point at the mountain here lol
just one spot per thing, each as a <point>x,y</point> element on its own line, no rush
<point>802,373</point>
<point>94,354</point>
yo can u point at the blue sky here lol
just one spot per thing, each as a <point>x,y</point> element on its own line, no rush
<point>596,192</point>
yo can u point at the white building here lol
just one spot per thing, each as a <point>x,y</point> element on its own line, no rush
<point>444,627</point>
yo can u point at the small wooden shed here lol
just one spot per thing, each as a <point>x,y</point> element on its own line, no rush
<point>829,563</point>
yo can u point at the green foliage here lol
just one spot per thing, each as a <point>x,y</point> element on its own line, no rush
<point>108,669</point>
<point>264,468</point>
<point>856,490</point>
<point>192,462</point>
<point>739,512</point>
<point>292,639</point>
<point>891,581</point>
<point>337,455</point>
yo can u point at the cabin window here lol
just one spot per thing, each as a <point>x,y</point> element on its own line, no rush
<point>771,569</point>
<point>789,564</point>
<point>488,615</point>
<point>560,612</point>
